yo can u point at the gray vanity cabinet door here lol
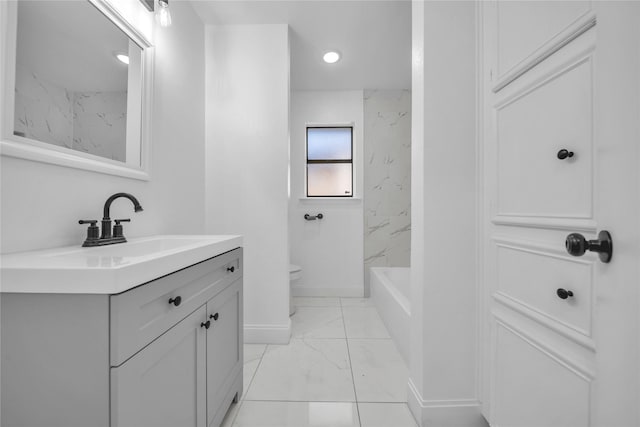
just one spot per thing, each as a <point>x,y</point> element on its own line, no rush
<point>224,350</point>
<point>164,384</point>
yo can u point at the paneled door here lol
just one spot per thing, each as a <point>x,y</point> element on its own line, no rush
<point>561,120</point>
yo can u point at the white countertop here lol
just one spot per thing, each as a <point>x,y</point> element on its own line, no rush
<point>107,269</point>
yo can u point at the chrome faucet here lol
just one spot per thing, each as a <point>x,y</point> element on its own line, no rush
<point>107,237</point>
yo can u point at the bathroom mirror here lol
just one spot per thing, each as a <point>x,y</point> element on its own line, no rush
<point>76,89</point>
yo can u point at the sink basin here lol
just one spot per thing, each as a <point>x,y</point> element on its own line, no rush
<point>107,269</point>
<point>131,249</point>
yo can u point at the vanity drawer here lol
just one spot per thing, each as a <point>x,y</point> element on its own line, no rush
<point>140,315</point>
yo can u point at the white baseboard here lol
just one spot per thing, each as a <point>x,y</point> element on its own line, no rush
<point>267,334</point>
<point>327,292</point>
<point>444,413</point>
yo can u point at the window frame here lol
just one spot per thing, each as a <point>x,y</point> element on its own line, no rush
<point>328,161</point>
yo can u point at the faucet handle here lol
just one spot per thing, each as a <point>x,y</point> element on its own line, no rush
<point>93,231</point>
<point>117,229</point>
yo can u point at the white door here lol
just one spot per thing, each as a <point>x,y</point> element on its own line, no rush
<point>562,332</point>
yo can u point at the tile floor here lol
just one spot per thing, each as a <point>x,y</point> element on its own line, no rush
<point>341,368</point>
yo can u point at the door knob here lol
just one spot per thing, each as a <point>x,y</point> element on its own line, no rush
<point>206,324</point>
<point>577,245</point>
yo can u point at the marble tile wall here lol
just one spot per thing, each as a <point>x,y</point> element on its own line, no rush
<point>44,111</point>
<point>100,123</point>
<point>93,122</point>
<point>387,179</point>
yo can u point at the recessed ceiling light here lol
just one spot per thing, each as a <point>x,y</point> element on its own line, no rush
<point>122,58</point>
<point>331,57</point>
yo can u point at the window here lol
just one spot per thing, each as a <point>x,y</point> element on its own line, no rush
<point>329,162</point>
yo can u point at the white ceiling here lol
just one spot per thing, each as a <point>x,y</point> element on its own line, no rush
<point>373,36</point>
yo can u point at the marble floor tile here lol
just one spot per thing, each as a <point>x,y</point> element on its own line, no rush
<point>297,414</point>
<point>304,370</point>
<point>252,356</point>
<point>356,302</point>
<point>316,301</point>
<point>363,322</point>
<point>379,372</point>
<point>230,417</point>
<point>385,415</point>
<point>253,351</point>
<point>317,322</point>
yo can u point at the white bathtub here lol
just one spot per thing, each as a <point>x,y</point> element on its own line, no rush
<point>390,290</point>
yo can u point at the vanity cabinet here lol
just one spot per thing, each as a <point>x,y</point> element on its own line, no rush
<point>165,383</point>
<point>165,353</point>
<point>224,352</point>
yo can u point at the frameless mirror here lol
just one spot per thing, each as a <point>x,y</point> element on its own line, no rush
<point>79,88</point>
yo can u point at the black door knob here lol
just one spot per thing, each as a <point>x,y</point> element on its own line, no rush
<point>214,316</point>
<point>563,293</point>
<point>206,324</point>
<point>175,301</point>
<point>577,245</point>
<point>564,153</point>
<point>231,269</point>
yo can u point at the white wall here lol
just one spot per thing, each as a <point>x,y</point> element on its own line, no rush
<point>443,371</point>
<point>41,203</point>
<point>330,250</point>
<point>247,164</point>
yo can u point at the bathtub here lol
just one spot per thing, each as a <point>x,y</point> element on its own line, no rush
<point>390,289</point>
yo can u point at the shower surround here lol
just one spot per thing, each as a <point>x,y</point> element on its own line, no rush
<point>387,179</point>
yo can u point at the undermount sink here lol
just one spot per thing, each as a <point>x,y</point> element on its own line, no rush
<point>108,269</point>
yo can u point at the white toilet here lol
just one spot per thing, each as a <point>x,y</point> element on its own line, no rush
<point>295,273</point>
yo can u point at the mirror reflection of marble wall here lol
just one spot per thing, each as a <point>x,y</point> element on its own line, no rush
<point>70,89</point>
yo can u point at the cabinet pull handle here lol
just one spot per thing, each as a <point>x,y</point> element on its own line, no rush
<point>214,316</point>
<point>313,217</point>
<point>206,324</point>
<point>231,269</point>
<point>175,301</point>
<point>563,293</point>
<point>564,153</point>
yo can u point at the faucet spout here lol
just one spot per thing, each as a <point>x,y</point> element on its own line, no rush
<point>106,220</point>
<point>107,205</point>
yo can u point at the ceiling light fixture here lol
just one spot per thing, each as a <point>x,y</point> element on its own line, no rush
<point>331,57</point>
<point>122,58</point>
<point>163,16</point>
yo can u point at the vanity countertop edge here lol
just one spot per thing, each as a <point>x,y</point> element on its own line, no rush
<point>74,270</point>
